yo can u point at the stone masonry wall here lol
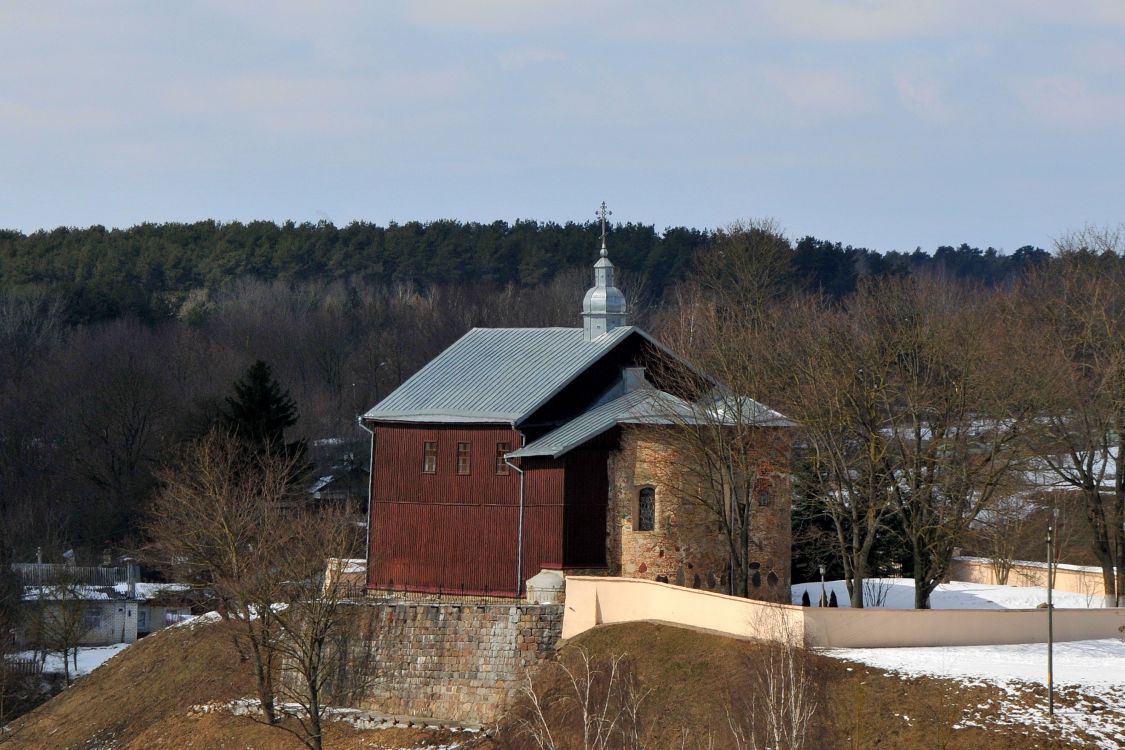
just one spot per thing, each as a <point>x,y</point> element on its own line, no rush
<point>457,662</point>
<point>687,546</point>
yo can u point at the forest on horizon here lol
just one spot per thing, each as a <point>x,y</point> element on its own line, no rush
<point>150,271</point>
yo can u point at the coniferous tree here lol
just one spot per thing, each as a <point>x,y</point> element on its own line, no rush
<point>260,410</point>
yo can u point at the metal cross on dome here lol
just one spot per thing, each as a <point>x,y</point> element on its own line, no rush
<point>602,213</point>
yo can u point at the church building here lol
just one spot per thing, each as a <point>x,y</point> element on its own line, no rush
<point>522,449</point>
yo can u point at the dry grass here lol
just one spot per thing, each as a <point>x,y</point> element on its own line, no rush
<point>695,676</point>
<point>142,699</point>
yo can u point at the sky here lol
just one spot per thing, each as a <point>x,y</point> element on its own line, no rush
<point>889,125</point>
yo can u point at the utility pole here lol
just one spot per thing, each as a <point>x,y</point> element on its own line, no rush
<point>1050,615</point>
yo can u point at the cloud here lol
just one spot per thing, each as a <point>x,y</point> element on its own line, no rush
<point>818,90</point>
<point>1101,56</point>
<point>923,96</point>
<point>514,59</point>
<point>865,20</point>
<point>503,15</point>
<point>1070,101</point>
<point>320,105</point>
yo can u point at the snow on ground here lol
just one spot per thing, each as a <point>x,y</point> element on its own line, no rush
<point>89,658</point>
<point>1089,675</point>
<point>898,593</point>
<point>1089,682</point>
<point>1077,663</point>
<point>193,622</point>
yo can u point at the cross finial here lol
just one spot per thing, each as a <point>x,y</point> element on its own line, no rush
<point>602,213</point>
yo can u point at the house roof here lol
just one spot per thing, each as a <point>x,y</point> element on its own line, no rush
<point>641,406</point>
<point>493,375</point>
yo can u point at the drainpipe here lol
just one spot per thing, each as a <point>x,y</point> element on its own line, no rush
<point>370,492</point>
<point>519,532</point>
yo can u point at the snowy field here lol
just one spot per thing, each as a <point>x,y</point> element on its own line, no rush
<point>89,658</point>
<point>1089,675</point>
<point>898,593</point>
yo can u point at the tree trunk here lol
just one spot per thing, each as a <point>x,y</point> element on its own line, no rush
<point>921,591</point>
<point>315,736</point>
<point>1119,533</point>
<point>858,575</point>
<point>262,675</point>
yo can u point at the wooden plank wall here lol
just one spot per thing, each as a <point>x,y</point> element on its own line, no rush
<point>450,533</point>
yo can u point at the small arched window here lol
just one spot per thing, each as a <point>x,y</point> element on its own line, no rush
<point>646,509</point>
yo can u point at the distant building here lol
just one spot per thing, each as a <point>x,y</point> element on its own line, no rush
<point>107,604</point>
<point>523,449</point>
<point>340,479</point>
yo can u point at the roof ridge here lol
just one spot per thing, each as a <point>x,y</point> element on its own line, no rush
<point>503,378</point>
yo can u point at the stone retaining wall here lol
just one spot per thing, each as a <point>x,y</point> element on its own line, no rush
<point>457,662</point>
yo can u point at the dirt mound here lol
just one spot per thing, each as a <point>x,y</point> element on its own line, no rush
<point>143,698</point>
<point>695,678</point>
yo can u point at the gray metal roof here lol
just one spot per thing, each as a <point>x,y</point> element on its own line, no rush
<point>642,406</point>
<point>496,375</point>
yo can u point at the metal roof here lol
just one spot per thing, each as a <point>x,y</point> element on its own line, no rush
<point>497,375</point>
<point>642,406</point>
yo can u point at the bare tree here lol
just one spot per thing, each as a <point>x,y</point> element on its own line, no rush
<point>62,616</point>
<point>311,616</point>
<point>955,417</point>
<point>225,520</point>
<point>906,409</point>
<point>216,523</point>
<point>831,374</point>
<point>730,450</point>
<point>15,684</point>
<point>1002,531</point>
<point>585,703</point>
<point>1075,311</point>
<point>776,706</point>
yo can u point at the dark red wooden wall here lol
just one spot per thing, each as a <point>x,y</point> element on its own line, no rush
<point>458,533</point>
<point>584,509</point>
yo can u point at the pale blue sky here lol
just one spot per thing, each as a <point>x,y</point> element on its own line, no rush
<point>885,124</point>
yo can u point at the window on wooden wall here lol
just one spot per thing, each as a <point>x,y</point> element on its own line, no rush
<point>502,467</point>
<point>429,457</point>
<point>646,509</point>
<point>462,458</point>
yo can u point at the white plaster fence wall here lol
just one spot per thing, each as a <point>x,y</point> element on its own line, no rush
<point>599,600</point>
<point>592,601</point>
<point>1077,579</point>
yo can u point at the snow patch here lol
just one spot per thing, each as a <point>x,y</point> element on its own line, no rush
<point>953,595</point>
<point>1089,683</point>
<point>89,658</point>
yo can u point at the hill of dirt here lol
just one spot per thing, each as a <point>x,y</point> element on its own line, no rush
<point>143,698</point>
<point>694,679</point>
